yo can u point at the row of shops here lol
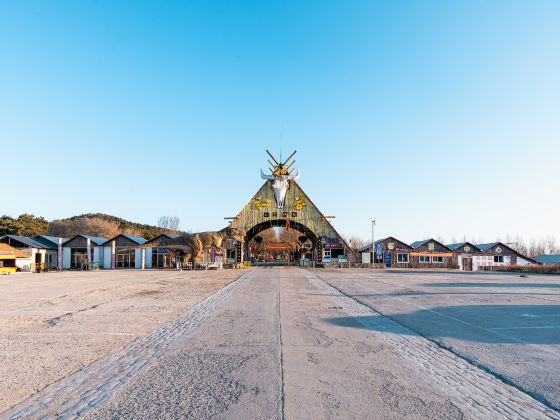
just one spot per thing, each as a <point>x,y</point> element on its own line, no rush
<point>40,253</point>
<point>429,253</point>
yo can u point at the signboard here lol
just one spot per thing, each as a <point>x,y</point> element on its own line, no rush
<point>238,252</point>
<point>336,245</point>
<point>378,249</point>
<point>387,259</point>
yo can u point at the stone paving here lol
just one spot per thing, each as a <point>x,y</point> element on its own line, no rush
<point>263,347</point>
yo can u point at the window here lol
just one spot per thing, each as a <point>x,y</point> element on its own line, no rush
<point>424,259</point>
<point>8,263</point>
<point>124,258</point>
<point>498,258</point>
<point>78,257</point>
<point>437,260</point>
<point>402,258</point>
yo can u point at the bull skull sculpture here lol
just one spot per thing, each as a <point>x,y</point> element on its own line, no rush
<point>280,177</point>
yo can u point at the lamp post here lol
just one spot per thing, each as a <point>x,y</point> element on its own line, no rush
<point>373,241</point>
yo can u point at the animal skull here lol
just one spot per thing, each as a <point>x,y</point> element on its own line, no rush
<point>280,185</point>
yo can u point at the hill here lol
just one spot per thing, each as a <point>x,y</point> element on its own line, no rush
<point>94,224</point>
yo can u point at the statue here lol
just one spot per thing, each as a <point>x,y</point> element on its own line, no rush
<point>194,244</point>
<point>281,177</point>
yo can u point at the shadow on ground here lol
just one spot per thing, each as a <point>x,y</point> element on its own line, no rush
<point>524,324</point>
<point>513,285</point>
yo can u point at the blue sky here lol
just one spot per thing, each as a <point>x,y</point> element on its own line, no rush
<point>434,118</point>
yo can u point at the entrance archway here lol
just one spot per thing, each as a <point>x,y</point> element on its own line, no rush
<point>306,236</point>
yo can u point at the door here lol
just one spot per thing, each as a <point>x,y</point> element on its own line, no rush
<point>37,262</point>
<point>387,259</point>
<point>467,264</point>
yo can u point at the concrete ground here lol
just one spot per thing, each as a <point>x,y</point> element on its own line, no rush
<point>293,343</point>
<point>54,324</point>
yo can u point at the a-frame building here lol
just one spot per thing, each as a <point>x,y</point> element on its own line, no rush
<point>298,212</point>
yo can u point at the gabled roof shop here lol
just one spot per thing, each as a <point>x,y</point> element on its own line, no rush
<point>43,252</point>
<point>389,251</point>
<point>498,254</point>
<point>160,257</point>
<point>430,253</point>
<point>83,252</point>
<point>122,252</point>
<point>9,257</point>
<point>463,254</point>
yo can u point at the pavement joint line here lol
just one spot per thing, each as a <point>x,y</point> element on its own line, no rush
<point>82,391</point>
<point>280,352</point>
<point>458,370</point>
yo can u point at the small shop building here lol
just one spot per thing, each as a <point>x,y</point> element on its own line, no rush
<point>9,257</point>
<point>464,253</point>
<point>122,252</point>
<point>498,254</point>
<point>42,250</point>
<point>75,252</point>
<point>160,256</point>
<point>389,251</point>
<point>430,253</point>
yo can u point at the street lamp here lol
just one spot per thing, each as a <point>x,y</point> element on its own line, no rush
<point>373,241</point>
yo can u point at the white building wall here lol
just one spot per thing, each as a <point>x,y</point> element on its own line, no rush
<point>22,262</point>
<point>65,257</point>
<point>148,258</point>
<point>137,258</point>
<point>523,261</point>
<point>107,257</point>
<point>488,261</point>
<point>98,255</point>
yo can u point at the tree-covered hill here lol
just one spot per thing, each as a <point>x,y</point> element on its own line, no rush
<point>95,224</point>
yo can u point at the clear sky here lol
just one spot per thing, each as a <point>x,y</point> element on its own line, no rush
<point>434,118</point>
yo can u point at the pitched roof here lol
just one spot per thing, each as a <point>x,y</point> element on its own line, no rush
<point>460,245</point>
<point>416,244</point>
<point>97,240</point>
<point>548,259</point>
<point>7,249</point>
<point>368,246</point>
<point>159,237</point>
<point>485,247</point>
<point>53,239</point>
<point>29,242</point>
<point>136,239</point>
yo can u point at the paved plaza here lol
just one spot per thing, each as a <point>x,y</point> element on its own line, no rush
<point>292,343</point>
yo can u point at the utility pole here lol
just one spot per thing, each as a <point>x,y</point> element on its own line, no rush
<point>373,241</point>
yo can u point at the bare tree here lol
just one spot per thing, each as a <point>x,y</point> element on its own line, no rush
<point>169,222</point>
<point>356,243</point>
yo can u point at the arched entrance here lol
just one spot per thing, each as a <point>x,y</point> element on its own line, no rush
<point>279,242</point>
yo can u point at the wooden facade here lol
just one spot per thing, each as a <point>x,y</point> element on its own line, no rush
<point>394,253</point>
<point>298,213</point>
<point>464,255</point>
<point>431,254</point>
